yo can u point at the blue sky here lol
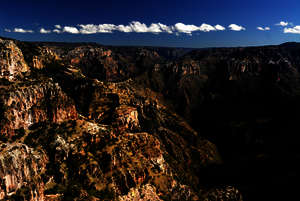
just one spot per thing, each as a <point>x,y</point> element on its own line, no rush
<point>174,23</point>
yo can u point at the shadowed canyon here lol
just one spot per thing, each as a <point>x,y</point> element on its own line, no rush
<point>83,121</point>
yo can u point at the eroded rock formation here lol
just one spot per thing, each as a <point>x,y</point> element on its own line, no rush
<point>21,168</point>
<point>12,62</point>
<point>88,122</point>
<point>29,102</point>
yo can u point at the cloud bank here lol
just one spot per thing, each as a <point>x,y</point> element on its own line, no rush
<point>133,27</point>
<point>154,28</point>
<point>137,27</point>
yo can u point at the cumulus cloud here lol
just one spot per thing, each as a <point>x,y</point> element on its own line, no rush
<point>282,23</point>
<point>134,26</point>
<point>154,28</point>
<point>264,29</point>
<point>235,27</point>
<point>206,28</point>
<point>138,27</point>
<point>56,31</point>
<point>20,30</point>
<point>106,28</point>
<point>182,28</point>
<point>293,30</point>
<point>219,27</point>
<point>7,30</point>
<point>92,29</point>
<point>122,28</point>
<point>44,31</point>
<point>72,30</point>
<point>188,29</point>
<point>57,26</point>
<point>165,28</point>
<point>88,28</point>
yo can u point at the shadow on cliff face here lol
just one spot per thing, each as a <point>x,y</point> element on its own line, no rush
<point>252,117</point>
<point>246,102</point>
<point>256,135</point>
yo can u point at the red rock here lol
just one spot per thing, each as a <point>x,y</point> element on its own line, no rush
<point>12,62</point>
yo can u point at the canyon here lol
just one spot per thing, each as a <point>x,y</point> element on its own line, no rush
<point>83,121</point>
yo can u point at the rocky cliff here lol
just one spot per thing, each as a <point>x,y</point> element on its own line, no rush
<point>11,60</point>
<point>68,133</point>
<point>88,122</point>
<point>27,103</point>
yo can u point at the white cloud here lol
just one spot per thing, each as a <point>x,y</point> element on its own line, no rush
<point>7,30</point>
<point>106,28</point>
<point>219,27</point>
<point>134,26</point>
<point>188,29</point>
<point>260,28</point>
<point>56,31</point>
<point>57,26</point>
<point>123,28</point>
<point>154,28</point>
<point>235,27</point>
<point>264,29</point>
<point>206,28</point>
<point>165,28</point>
<point>138,27</point>
<point>282,23</point>
<point>182,28</point>
<point>44,31</point>
<point>294,30</point>
<point>142,28</point>
<point>72,30</point>
<point>20,30</point>
<point>88,28</point>
<point>101,28</point>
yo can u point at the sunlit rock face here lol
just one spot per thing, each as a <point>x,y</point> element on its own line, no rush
<point>126,118</point>
<point>12,62</point>
<point>25,104</point>
<point>89,122</point>
<point>86,156</point>
<point>46,56</point>
<point>21,168</point>
<point>95,62</point>
<point>146,192</point>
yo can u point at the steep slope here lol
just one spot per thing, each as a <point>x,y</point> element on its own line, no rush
<point>246,101</point>
<point>11,60</point>
<point>132,123</point>
<point>91,139</point>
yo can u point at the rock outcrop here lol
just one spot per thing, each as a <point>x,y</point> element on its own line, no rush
<point>21,168</point>
<point>90,161</point>
<point>126,118</point>
<point>118,123</point>
<point>29,102</point>
<point>12,62</point>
